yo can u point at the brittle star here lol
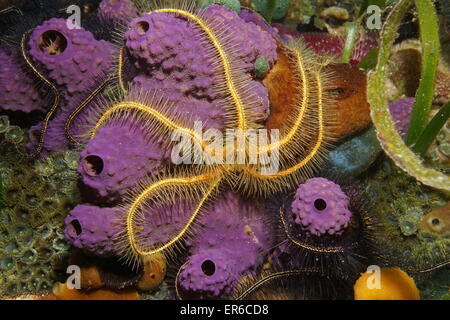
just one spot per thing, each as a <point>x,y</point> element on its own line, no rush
<point>301,146</point>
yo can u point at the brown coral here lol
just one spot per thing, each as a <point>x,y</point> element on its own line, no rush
<point>349,90</point>
<point>347,86</point>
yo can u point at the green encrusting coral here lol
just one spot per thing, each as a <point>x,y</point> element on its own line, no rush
<point>400,203</point>
<point>234,5</point>
<point>271,9</point>
<point>261,67</point>
<point>37,196</point>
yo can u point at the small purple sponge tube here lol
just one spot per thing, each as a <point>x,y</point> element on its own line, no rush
<point>210,273</point>
<point>71,57</point>
<point>321,207</point>
<point>117,158</point>
<point>93,229</point>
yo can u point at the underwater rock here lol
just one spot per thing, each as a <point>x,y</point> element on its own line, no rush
<point>117,11</point>
<point>320,206</point>
<point>354,156</point>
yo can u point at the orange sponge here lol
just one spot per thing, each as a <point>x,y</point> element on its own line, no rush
<point>62,292</point>
<point>394,284</point>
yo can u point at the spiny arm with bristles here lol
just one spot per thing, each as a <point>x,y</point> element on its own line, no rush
<point>223,57</point>
<point>80,108</point>
<point>266,278</point>
<point>56,101</point>
<point>149,111</point>
<point>315,150</point>
<point>212,179</point>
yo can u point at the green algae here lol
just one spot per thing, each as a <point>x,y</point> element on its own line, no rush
<point>390,139</point>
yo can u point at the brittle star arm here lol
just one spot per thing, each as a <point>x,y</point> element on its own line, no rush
<point>274,276</point>
<point>213,179</point>
<point>315,149</point>
<point>149,111</point>
<point>48,83</point>
<point>298,62</point>
<point>80,108</point>
<point>83,105</point>
<point>223,58</point>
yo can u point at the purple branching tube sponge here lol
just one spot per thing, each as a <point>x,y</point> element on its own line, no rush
<point>117,11</point>
<point>174,57</point>
<point>232,241</point>
<point>117,158</point>
<point>93,229</point>
<point>71,57</point>
<point>18,90</point>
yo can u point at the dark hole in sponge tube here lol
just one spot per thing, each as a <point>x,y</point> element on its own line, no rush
<point>142,27</point>
<point>320,204</point>
<point>208,267</point>
<point>93,165</point>
<point>76,227</point>
<point>52,42</point>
